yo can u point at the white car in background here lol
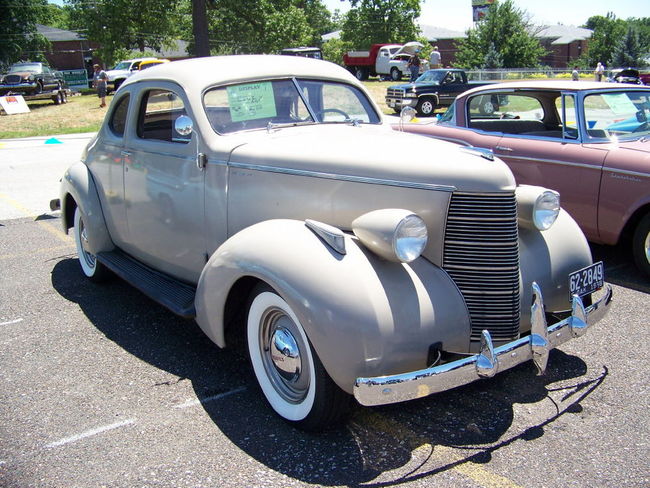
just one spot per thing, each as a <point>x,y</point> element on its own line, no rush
<point>123,70</point>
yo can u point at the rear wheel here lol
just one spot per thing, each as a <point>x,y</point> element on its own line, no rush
<point>93,269</point>
<point>641,244</point>
<point>426,106</point>
<point>287,368</point>
<point>361,73</point>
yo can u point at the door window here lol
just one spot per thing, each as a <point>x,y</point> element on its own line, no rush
<point>159,111</point>
<point>117,123</point>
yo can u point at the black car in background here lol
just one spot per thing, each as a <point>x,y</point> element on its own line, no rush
<point>30,79</point>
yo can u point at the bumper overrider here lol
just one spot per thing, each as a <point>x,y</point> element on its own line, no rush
<point>489,361</point>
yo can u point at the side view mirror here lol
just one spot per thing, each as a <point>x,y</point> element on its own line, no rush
<point>407,114</point>
<point>183,125</point>
<point>641,116</point>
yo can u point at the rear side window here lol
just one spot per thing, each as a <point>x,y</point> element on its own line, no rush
<point>158,113</point>
<point>508,114</point>
<point>117,123</point>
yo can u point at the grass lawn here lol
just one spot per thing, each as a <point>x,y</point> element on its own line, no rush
<point>82,114</point>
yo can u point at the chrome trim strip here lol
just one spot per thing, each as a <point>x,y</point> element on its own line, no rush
<point>340,177</point>
<point>491,360</point>
<point>551,161</point>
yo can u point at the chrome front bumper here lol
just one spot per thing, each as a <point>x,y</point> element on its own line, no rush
<point>489,361</point>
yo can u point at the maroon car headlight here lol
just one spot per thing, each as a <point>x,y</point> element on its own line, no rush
<point>537,207</point>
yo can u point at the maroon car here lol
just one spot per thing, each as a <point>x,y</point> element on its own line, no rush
<point>589,141</point>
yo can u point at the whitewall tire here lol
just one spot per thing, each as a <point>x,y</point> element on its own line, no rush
<point>288,371</point>
<point>93,269</point>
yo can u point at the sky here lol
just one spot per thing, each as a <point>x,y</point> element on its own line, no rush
<point>457,14</point>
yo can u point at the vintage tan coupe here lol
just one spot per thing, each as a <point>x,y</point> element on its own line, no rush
<point>264,196</point>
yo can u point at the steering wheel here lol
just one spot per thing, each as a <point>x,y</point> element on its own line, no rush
<point>320,113</point>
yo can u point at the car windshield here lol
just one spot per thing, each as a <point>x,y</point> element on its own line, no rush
<point>31,68</point>
<point>267,104</point>
<point>123,65</point>
<point>433,77</point>
<point>618,114</point>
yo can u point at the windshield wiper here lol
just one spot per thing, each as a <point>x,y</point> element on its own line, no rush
<point>278,125</point>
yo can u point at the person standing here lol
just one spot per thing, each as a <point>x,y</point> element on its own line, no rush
<point>414,67</point>
<point>99,82</point>
<point>575,75</point>
<point>435,58</point>
<point>600,69</point>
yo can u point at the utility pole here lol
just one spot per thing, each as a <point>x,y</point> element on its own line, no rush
<point>200,29</point>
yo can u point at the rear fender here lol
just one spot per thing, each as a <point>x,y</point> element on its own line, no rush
<point>78,189</point>
<point>363,315</point>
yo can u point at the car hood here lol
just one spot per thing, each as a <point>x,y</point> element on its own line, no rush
<point>22,74</point>
<point>374,153</point>
<point>409,48</point>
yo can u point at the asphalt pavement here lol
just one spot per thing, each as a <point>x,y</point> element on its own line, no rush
<point>102,387</point>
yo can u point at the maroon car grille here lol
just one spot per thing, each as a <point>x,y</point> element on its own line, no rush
<point>13,79</point>
<point>481,255</point>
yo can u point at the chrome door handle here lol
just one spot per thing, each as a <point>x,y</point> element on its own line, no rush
<point>125,154</point>
<point>503,148</point>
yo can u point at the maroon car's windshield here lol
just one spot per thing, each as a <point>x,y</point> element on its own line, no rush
<point>618,115</point>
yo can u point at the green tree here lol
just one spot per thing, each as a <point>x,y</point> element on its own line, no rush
<point>119,25</point>
<point>18,35</point>
<point>334,49</point>
<point>381,21</point>
<point>608,31</point>
<point>627,52</point>
<point>507,31</point>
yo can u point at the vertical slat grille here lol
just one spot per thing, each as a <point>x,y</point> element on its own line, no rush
<point>482,256</point>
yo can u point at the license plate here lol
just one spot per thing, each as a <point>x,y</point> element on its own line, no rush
<point>587,280</point>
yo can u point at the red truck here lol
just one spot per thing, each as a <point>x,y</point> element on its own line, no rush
<point>381,60</point>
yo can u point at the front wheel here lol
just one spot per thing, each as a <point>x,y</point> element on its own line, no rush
<point>395,74</point>
<point>93,269</point>
<point>426,106</point>
<point>287,368</point>
<point>641,245</point>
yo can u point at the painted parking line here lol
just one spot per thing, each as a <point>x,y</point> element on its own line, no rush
<point>192,403</point>
<point>11,322</point>
<point>90,433</point>
<point>29,214</point>
<point>449,457</point>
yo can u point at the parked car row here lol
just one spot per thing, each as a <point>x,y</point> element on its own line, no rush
<point>265,197</point>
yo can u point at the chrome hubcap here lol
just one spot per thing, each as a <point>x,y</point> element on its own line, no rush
<point>647,247</point>
<point>282,348</point>
<point>83,237</point>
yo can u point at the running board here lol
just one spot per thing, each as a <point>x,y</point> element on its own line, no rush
<point>169,292</point>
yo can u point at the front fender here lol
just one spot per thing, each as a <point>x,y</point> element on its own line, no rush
<point>548,257</point>
<point>78,189</point>
<point>363,315</point>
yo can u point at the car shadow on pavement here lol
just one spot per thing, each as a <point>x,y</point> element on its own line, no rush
<point>380,446</point>
<point>620,268</point>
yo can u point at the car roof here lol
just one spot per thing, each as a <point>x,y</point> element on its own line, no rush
<point>199,73</point>
<point>553,85</point>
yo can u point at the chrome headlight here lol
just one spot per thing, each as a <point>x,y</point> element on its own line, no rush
<point>537,207</point>
<point>394,234</point>
<point>547,208</point>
